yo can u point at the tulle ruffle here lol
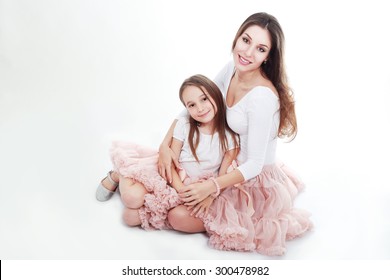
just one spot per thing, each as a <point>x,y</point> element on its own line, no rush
<point>258,215</point>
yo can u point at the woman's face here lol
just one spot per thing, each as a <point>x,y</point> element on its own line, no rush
<point>252,48</point>
<point>199,106</point>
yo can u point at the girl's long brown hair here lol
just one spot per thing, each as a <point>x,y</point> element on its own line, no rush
<point>211,90</point>
<point>274,70</point>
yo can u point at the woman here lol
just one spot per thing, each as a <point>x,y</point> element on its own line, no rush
<point>254,210</point>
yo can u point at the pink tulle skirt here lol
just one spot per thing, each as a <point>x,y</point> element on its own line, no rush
<point>140,164</point>
<point>258,215</point>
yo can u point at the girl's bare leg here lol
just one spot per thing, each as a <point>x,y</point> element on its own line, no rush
<point>108,184</point>
<point>131,217</point>
<point>132,193</point>
<point>180,219</point>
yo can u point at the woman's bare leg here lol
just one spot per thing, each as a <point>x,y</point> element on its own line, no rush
<point>180,219</point>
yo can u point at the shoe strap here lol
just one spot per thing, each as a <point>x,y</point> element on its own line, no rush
<point>111,180</point>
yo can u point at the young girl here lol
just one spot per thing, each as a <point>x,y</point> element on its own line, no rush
<point>204,144</point>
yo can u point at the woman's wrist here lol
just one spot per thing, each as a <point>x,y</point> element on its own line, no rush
<point>217,187</point>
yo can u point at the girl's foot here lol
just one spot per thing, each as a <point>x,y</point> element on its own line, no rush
<point>107,186</point>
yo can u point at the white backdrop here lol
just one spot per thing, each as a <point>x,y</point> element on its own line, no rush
<point>75,75</point>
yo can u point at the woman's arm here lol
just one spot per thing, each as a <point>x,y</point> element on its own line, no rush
<point>227,161</point>
<point>176,146</point>
<point>203,206</point>
<point>166,156</point>
<point>195,193</point>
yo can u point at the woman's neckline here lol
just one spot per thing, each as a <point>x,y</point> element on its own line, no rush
<point>247,93</point>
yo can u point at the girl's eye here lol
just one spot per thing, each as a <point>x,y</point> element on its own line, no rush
<point>204,99</point>
<point>190,105</point>
<point>261,50</point>
<point>245,40</point>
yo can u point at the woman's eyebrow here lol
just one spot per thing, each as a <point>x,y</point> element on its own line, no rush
<point>263,45</point>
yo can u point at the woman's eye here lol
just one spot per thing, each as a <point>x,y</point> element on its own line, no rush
<point>204,99</point>
<point>261,50</point>
<point>245,40</point>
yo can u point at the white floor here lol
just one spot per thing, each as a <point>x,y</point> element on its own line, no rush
<point>50,170</point>
<point>70,86</point>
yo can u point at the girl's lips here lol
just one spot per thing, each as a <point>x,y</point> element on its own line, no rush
<point>203,115</point>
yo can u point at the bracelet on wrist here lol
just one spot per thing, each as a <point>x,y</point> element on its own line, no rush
<point>218,188</point>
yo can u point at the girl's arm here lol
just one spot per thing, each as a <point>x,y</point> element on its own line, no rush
<point>176,146</point>
<point>166,156</point>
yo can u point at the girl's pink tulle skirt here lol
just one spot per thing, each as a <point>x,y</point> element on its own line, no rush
<point>258,215</point>
<point>140,164</point>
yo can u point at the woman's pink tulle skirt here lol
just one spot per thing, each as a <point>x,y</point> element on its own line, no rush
<point>258,215</point>
<point>140,164</point>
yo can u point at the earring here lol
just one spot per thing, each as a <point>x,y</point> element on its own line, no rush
<point>265,62</point>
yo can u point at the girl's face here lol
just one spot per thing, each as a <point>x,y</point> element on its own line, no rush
<point>199,106</point>
<point>252,48</point>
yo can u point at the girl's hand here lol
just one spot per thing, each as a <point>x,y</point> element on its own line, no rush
<point>165,158</point>
<point>202,208</point>
<point>192,194</point>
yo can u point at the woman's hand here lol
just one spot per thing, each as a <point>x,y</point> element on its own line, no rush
<point>165,158</point>
<point>192,194</point>
<point>202,208</point>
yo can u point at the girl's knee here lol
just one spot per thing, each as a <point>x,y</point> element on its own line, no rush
<point>134,196</point>
<point>131,217</point>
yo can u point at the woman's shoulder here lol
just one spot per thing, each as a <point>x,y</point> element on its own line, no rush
<point>183,121</point>
<point>229,67</point>
<point>263,92</point>
<point>182,125</point>
<point>224,75</point>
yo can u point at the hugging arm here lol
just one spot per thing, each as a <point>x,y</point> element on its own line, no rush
<point>227,161</point>
<point>166,156</point>
<point>176,146</point>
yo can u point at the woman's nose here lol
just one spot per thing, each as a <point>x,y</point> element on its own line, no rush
<point>249,51</point>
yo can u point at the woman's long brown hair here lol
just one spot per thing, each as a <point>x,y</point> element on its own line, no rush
<point>211,90</point>
<point>274,70</point>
